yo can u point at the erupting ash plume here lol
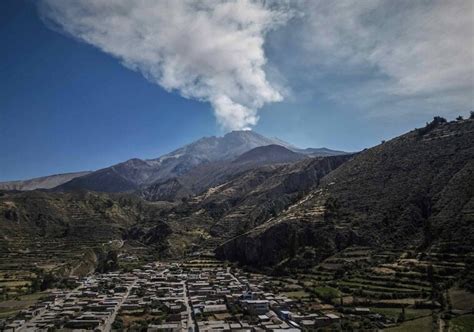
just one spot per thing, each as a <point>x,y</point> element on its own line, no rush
<point>207,50</point>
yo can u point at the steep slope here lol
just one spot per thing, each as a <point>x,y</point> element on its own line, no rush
<point>122,177</point>
<point>135,173</point>
<point>44,182</point>
<point>214,173</point>
<point>269,154</point>
<point>413,191</point>
<point>253,196</point>
<point>56,230</point>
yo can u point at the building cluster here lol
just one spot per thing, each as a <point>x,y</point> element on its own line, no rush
<point>92,305</point>
<point>231,301</point>
<point>171,297</point>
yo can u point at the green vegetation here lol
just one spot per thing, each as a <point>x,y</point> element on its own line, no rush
<point>461,299</point>
<point>394,313</point>
<point>11,307</point>
<point>462,324</point>
<point>326,293</point>
<point>420,325</point>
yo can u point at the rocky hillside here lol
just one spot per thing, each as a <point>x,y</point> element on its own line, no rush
<point>44,182</point>
<point>63,231</point>
<point>415,191</point>
<point>253,196</point>
<point>212,174</point>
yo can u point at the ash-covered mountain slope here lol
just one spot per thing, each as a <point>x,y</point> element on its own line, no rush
<point>44,182</point>
<point>136,173</point>
<point>211,174</point>
<point>415,191</point>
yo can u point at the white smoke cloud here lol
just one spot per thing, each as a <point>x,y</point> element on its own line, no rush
<point>208,50</point>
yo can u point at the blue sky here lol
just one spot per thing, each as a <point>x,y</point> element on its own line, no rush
<point>73,97</point>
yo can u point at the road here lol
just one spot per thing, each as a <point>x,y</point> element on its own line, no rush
<point>190,321</point>
<point>233,276</point>
<point>108,323</point>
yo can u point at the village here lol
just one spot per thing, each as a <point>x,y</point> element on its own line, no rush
<point>170,297</point>
<point>201,293</point>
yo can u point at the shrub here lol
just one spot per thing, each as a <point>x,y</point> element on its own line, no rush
<point>437,120</point>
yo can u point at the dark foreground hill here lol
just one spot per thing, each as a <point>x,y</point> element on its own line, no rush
<point>415,191</point>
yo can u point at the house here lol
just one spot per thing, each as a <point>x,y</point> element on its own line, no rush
<point>167,327</point>
<point>215,308</point>
<point>257,307</point>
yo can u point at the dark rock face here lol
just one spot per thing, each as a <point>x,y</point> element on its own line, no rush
<point>154,235</point>
<point>283,241</point>
<point>413,191</point>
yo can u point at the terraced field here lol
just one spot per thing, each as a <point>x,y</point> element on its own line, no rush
<point>391,282</point>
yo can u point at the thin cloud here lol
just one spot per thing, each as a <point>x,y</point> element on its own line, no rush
<point>399,51</point>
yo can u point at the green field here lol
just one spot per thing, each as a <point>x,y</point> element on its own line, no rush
<point>461,299</point>
<point>326,292</point>
<point>418,325</point>
<point>395,312</point>
<point>10,307</point>
<point>462,324</point>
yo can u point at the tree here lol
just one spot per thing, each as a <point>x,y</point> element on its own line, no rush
<point>401,316</point>
<point>35,284</point>
<point>48,281</point>
<point>459,118</point>
<point>118,324</point>
<point>472,115</point>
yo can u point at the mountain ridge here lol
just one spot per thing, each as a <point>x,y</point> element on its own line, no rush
<point>136,173</point>
<point>42,182</point>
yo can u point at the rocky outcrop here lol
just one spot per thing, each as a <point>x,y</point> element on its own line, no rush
<point>284,240</point>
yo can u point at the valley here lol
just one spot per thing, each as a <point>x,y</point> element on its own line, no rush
<point>379,239</point>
